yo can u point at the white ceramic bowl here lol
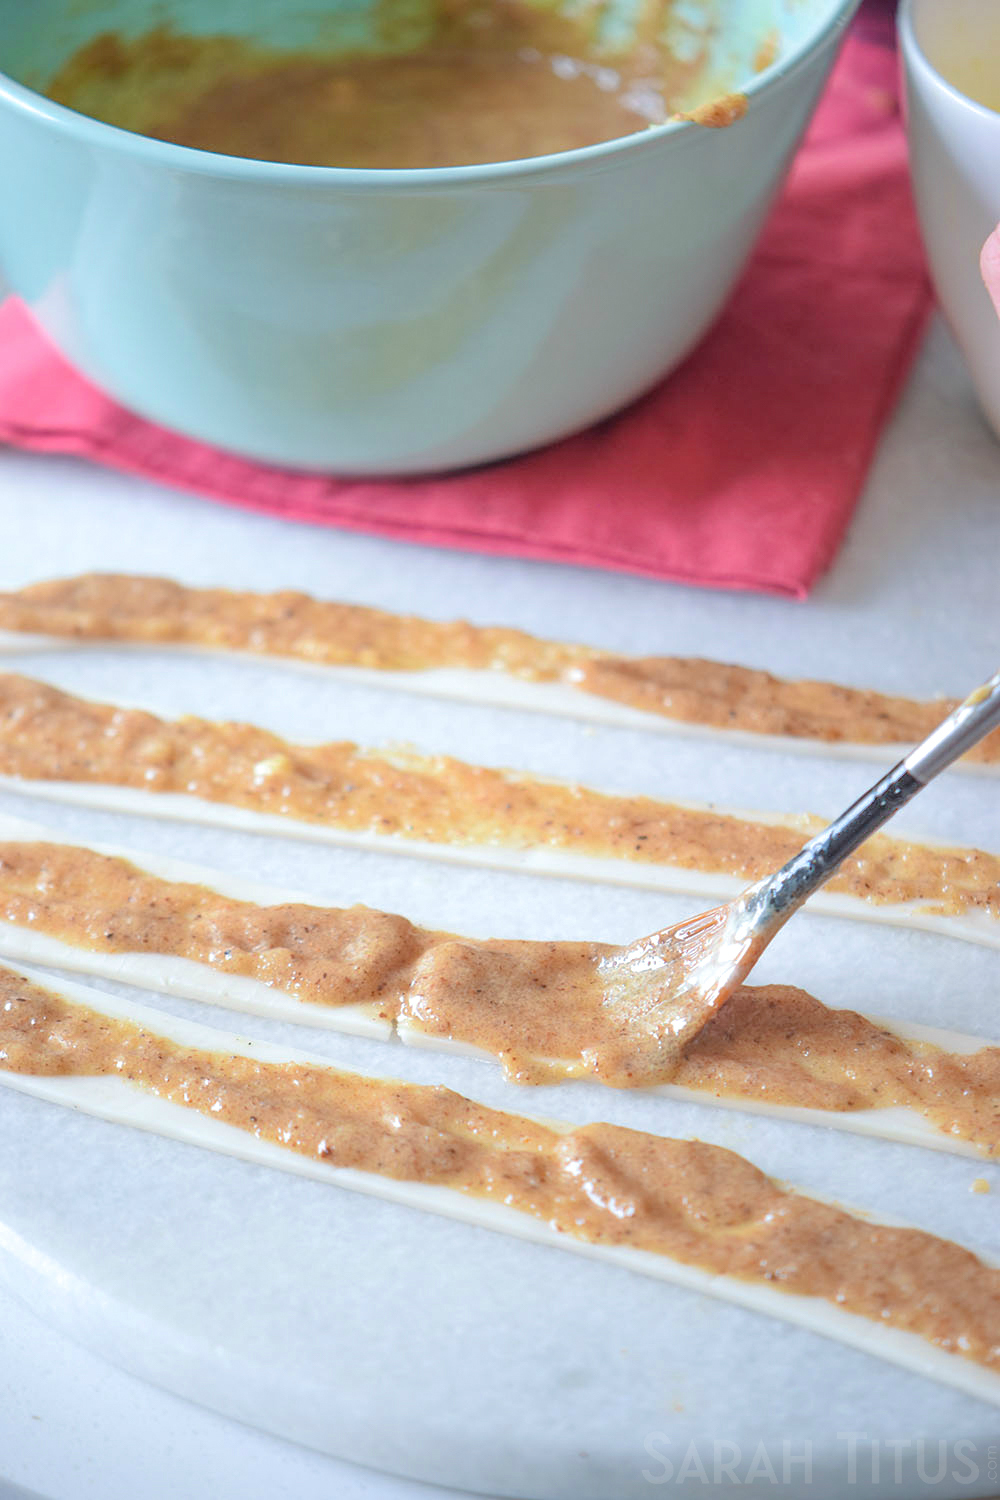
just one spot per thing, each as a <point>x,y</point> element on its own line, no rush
<point>951,50</point>
<point>387,321</point>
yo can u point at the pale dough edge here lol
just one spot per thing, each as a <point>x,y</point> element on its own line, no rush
<point>974,927</point>
<point>172,975</point>
<point>113,1099</point>
<point>496,689</point>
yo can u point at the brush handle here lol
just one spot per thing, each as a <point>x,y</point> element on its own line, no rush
<point>964,727</point>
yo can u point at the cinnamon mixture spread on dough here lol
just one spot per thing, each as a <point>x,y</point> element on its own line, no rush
<point>123,607</point>
<point>694,1203</point>
<point>546,1010</point>
<point>49,735</point>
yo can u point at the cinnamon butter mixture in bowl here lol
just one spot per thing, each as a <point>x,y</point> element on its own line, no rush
<point>439,84</point>
<point>481,83</point>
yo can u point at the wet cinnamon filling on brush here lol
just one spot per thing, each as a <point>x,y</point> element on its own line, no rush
<point>546,1010</point>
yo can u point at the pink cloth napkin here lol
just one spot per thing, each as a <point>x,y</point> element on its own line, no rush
<point>740,471</point>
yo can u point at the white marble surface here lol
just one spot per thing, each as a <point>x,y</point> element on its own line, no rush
<point>429,1347</point>
<point>74,1428</point>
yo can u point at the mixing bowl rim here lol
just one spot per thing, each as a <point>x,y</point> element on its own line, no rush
<point>187,159</point>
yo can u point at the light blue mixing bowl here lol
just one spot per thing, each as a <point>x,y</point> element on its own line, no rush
<point>384,321</point>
